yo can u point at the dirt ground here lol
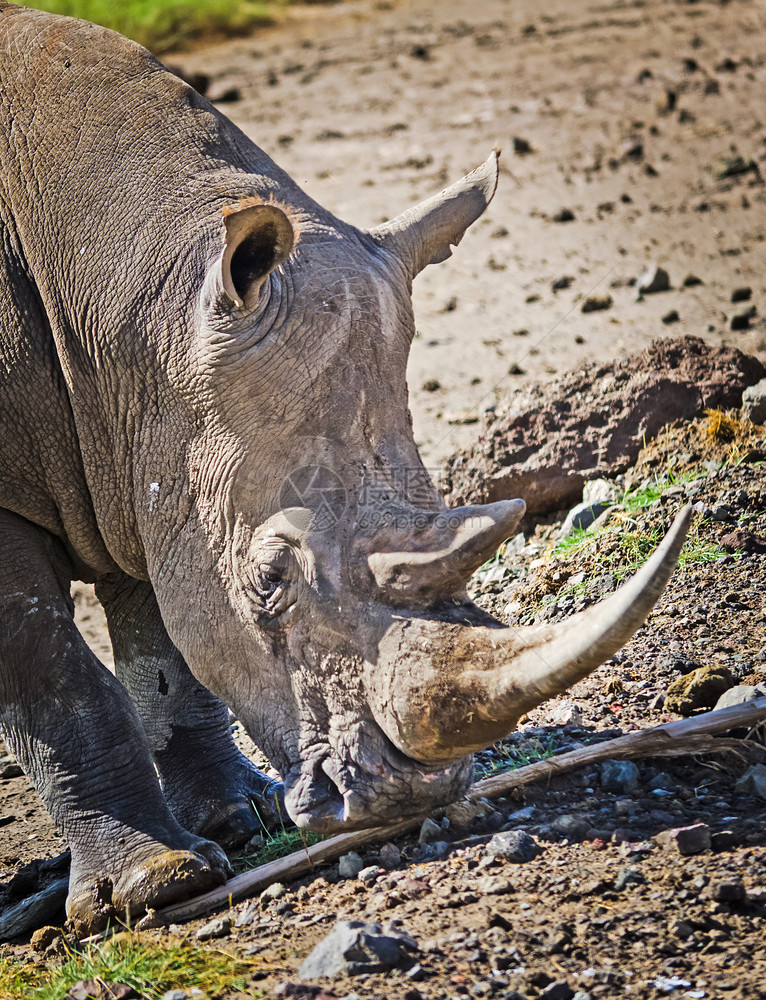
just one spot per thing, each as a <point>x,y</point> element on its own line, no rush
<point>631,113</point>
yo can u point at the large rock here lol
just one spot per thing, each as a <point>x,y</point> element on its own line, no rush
<point>699,689</point>
<point>548,440</point>
<point>754,403</point>
<point>355,947</point>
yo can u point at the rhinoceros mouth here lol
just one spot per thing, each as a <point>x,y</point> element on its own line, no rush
<point>327,795</point>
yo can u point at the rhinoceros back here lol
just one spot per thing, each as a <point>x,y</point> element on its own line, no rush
<point>113,175</point>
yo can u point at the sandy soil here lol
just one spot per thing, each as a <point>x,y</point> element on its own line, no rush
<point>628,110</point>
<point>374,106</point>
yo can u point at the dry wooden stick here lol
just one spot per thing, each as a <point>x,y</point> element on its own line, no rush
<point>686,736</point>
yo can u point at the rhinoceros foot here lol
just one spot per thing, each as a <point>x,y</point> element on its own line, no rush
<point>166,878</point>
<point>228,803</point>
<point>251,812</point>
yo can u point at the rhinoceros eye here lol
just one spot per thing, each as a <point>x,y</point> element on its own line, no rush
<point>268,582</point>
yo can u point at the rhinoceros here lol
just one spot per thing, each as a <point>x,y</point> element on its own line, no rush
<point>204,412</point>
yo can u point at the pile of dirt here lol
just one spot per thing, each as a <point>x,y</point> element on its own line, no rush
<point>545,441</point>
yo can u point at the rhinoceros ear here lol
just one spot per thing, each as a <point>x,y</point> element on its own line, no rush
<point>426,234</point>
<point>258,239</point>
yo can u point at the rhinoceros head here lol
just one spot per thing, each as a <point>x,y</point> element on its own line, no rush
<point>334,618</point>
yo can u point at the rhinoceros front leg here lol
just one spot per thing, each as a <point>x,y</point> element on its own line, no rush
<point>211,787</point>
<point>76,733</point>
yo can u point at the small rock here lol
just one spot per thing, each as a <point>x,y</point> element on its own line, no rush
<point>728,891</point>
<point>566,713</point>
<point>43,937</point>
<point>653,279</point>
<point>742,540</point>
<point>564,215</point>
<point>680,929</point>
<point>619,776</point>
<point>513,845</point>
<point>463,417</point>
<point>369,875</point>
<point>247,915</point>
<point>724,840</point>
<point>175,995</point>
<point>665,102</point>
<point>431,385</point>
<point>521,815</point>
<point>349,865</point>
<point>595,303</point>
<point>494,885</point>
<point>740,694</point>
<point>355,947</point>
<point>436,851</point>
<point>691,281</point>
<point>686,839</point>
<point>754,403</point>
<point>565,281</point>
<point>463,813</point>
<point>741,321</point>
<point>521,146</point>
<point>582,995</point>
<point>100,989</point>
<point>599,491</point>
<point>633,149</point>
<point>572,827</point>
<point>218,928</point>
<point>732,166</point>
<point>430,831</point>
<point>415,974</point>
<point>662,781</point>
<point>302,991</point>
<point>11,771</point>
<point>741,294</point>
<point>557,991</point>
<point>699,689</point>
<point>581,517</point>
<point>390,856</point>
<point>255,844</point>
<point>628,876</point>
<point>671,317</point>
<point>275,891</point>
<point>227,96</point>
<point>753,782</point>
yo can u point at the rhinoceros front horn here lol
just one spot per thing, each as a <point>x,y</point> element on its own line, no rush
<point>443,688</point>
<point>426,234</point>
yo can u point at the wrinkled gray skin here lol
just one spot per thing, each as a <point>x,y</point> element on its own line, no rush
<point>182,331</point>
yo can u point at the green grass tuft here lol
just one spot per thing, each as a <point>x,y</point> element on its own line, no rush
<point>163,25</point>
<point>278,845</point>
<point>151,967</point>
<point>502,757</point>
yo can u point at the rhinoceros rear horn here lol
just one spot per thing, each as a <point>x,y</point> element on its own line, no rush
<point>426,234</point>
<point>258,239</point>
<point>440,560</point>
